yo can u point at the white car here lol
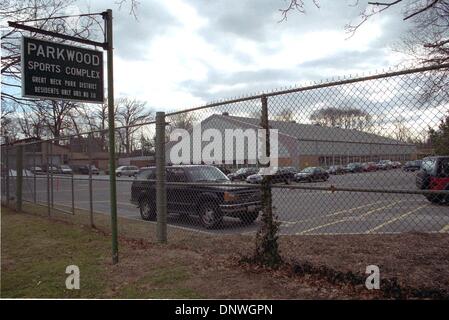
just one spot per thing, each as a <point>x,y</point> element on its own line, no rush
<point>130,171</point>
<point>65,169</point>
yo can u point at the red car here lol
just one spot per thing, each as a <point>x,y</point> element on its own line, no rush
<point>434,175</point>
<point>369,166</point>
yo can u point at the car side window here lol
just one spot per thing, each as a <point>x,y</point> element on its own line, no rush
<point>428,165</point>
<point>444,168</point>
<point>176,175</point>
<point>147,174</point>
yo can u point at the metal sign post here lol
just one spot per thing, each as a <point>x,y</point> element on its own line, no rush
<point>111,124</point>
<point>57,71</point>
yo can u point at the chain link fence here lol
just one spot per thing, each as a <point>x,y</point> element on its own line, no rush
<point>351,156</point>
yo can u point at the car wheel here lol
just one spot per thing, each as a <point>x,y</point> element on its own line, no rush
<point>147,210</point>
<point>249,217</point>
<point>210,215</point>
<point>119,174</point>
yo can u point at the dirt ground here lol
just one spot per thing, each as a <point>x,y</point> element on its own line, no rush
<point>197,265</point>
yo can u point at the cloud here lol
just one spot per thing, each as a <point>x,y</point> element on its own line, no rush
<point>182,53</point>
<point>133,36</point>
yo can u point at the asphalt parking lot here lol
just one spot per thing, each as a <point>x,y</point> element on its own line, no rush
<point>305,212</point>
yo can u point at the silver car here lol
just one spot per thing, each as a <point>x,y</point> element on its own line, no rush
<point>65,169</point>
<point>130,171</point>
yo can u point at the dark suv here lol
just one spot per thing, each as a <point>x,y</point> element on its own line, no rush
<point>210,203</point>
<point>434,175</point>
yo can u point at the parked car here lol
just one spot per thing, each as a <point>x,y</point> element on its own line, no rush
<point>224,169</point>
<point>210,203</point>
<point>36,170</point>
<point>434,175</point>
<point>396,164</point>
<point>255,178</point>
<point>65,169</point>
<point>369,166</point>
<point>384,165</point>
<point>354,167</point>
<point>53,169</point>
<point>242,173</point>
<point>84,169</point>
<point>337,169</point>
<point>282,174</point>
<point>310,174</point>
<point>130,171</point>
<point>412,165</point>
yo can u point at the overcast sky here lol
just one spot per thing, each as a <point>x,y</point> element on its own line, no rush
<point>180,54</point>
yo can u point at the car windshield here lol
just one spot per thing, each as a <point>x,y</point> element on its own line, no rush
<point>65,167</point>
<point>307,170</point>
<point>206,174</point>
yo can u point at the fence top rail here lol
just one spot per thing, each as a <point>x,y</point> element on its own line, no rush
<point>253,97</point>
<point>315,86</point>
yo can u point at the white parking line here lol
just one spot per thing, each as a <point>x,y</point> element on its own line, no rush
<point>445,229</point>
<point>395,219</point>
<point>348,218</point>
<point>289,223</point>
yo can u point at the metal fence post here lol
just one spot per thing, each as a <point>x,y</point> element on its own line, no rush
<point>34,173</point>
<point>7,174</point>
<point>91,206</point>
<point>161,194</point>
<point>19,177</point>
<point>73,194</point>
<point>51,176</point>
<point>267,250</point>
<point>47,148</point>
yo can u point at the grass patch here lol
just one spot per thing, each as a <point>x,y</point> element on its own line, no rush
<point>162,284</point>
<point>36,249</point>
<point>35,254</point>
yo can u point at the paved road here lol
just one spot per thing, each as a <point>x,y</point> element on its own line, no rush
<point>299,211</point>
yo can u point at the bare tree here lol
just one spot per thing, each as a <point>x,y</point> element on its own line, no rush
<point>42,14</point>
<point>130,113</point>
<point>181,121</point>
<point>401,131</point>
<point>428,40</point>
<point>56,116</point>
<point>285,114</point>
<point>347,118</point>
<point>31,123</point>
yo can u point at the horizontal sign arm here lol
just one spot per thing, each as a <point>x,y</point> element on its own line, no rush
<point>103,45</point>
